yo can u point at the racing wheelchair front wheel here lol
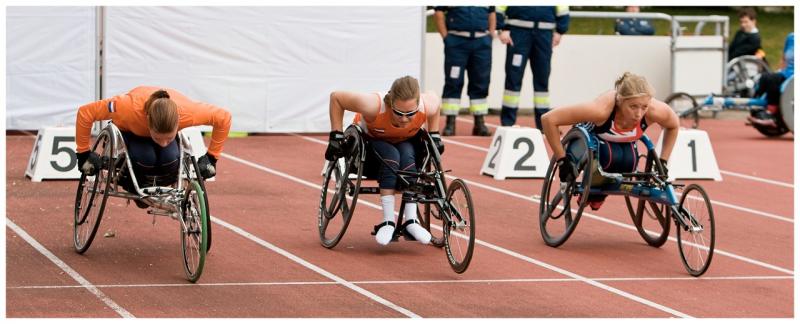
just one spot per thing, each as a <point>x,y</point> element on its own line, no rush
<point>697,235</point>
<point>92,194</point>
<point>342,181</point>
<point>194,231</point>
<point>556,218</point>
<point>459,226</point>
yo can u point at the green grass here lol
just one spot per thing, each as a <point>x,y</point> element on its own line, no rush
<point>773,27</point>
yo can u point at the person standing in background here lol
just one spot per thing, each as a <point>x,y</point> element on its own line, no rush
<point>467,33</point>
<point>530,33</point>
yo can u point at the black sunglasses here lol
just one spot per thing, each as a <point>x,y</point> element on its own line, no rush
<point>403,113</point>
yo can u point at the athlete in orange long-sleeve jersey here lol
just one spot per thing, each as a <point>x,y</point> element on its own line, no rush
<point>150,118</point>
<point>390,121</point>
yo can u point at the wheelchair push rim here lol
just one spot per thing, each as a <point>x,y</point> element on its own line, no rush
<point>696,240</point>
<point>194,231</point>
<point>459,226</point>
<point>335,211</point>
<point>429,211</point>
<point>652,220</point>
<point>92,194</point>
<point>555,212</point>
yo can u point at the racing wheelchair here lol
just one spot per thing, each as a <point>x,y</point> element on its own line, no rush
<point>651,200</point>
<point>689,110</point>
<point>184,199</point>
<point>449,203</point>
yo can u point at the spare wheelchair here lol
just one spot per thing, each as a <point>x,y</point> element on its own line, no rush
<point>657,203</point>
<point>449,203</point>
<point>184,199</point>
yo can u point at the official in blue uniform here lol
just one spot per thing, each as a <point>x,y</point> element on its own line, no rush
<point>530,33</point>
<point>467,34</point>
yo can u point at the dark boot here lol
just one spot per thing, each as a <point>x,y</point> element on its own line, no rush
<point>480,128</point>
<point>450,126</point>
<point>508,116</point>
<point>538,112</point>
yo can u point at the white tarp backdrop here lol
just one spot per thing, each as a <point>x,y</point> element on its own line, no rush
<point>272,67</point>
<point>50,64</point>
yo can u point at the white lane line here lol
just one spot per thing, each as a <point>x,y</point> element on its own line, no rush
<point>311,266</point>
<point>754,178</point>
<point>596,217</point>
<point>491,246</point>
<point>418,282</point>
<point>68,270</point>
<point>730,173</point>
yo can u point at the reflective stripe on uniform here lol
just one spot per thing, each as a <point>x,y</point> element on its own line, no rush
<point>530,24</point>
<point>478,106</point>
<point>451,106</point>
<point>468,34</point>
<point>511,99</point>
<point>546,25</point>
<point>562,10</point>
<point>519,23</point>
<point>541,99</point>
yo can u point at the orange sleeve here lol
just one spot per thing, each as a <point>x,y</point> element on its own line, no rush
<point>208,114</point>
<point>96,111</point>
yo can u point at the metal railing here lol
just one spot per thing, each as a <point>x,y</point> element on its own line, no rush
<point>721,23</point>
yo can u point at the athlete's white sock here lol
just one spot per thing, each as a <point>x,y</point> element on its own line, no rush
<point>384,235</point>
<point>415,229</point>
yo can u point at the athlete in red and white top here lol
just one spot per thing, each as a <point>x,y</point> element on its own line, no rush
<point>618,117</point>
<point>390,121</point>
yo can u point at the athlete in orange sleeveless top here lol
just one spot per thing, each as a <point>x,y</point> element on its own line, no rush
<point>618,118</point>
<point>149,119</point>
<point>390,121</point>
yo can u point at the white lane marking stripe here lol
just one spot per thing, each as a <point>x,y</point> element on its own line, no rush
<point>599,218</point>
<point>413,282</point>
<point>315,268</point>
<point>497,248</point>
<point>730,173</point>
<point>68,270</point>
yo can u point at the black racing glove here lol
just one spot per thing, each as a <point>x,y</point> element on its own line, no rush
<point>207,165</point>
<point>664,164</point>
<point>335,148</point>
<point>89,162</point>
<point>566,169</point>
<point>437,140</point>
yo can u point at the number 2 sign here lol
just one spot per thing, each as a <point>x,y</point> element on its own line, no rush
<point>53,155</point>
<point>516,152</point>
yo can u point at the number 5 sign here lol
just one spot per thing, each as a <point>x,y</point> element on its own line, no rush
<point>516,152</point>
<point>53,155</point>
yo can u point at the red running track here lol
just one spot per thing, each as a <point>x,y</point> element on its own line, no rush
<point>267,260</point>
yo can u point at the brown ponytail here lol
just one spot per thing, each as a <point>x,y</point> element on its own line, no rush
<point>404,88</point>
<point>162,112</point>
<point>630,85</point>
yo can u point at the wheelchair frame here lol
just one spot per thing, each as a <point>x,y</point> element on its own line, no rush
<point>429,189</point>
<point>173,202</point>
<point>651,188</point>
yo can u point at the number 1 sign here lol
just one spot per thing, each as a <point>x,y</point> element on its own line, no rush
<point>516,152</point>
<point>53,155</point>
<point>692,156</point>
